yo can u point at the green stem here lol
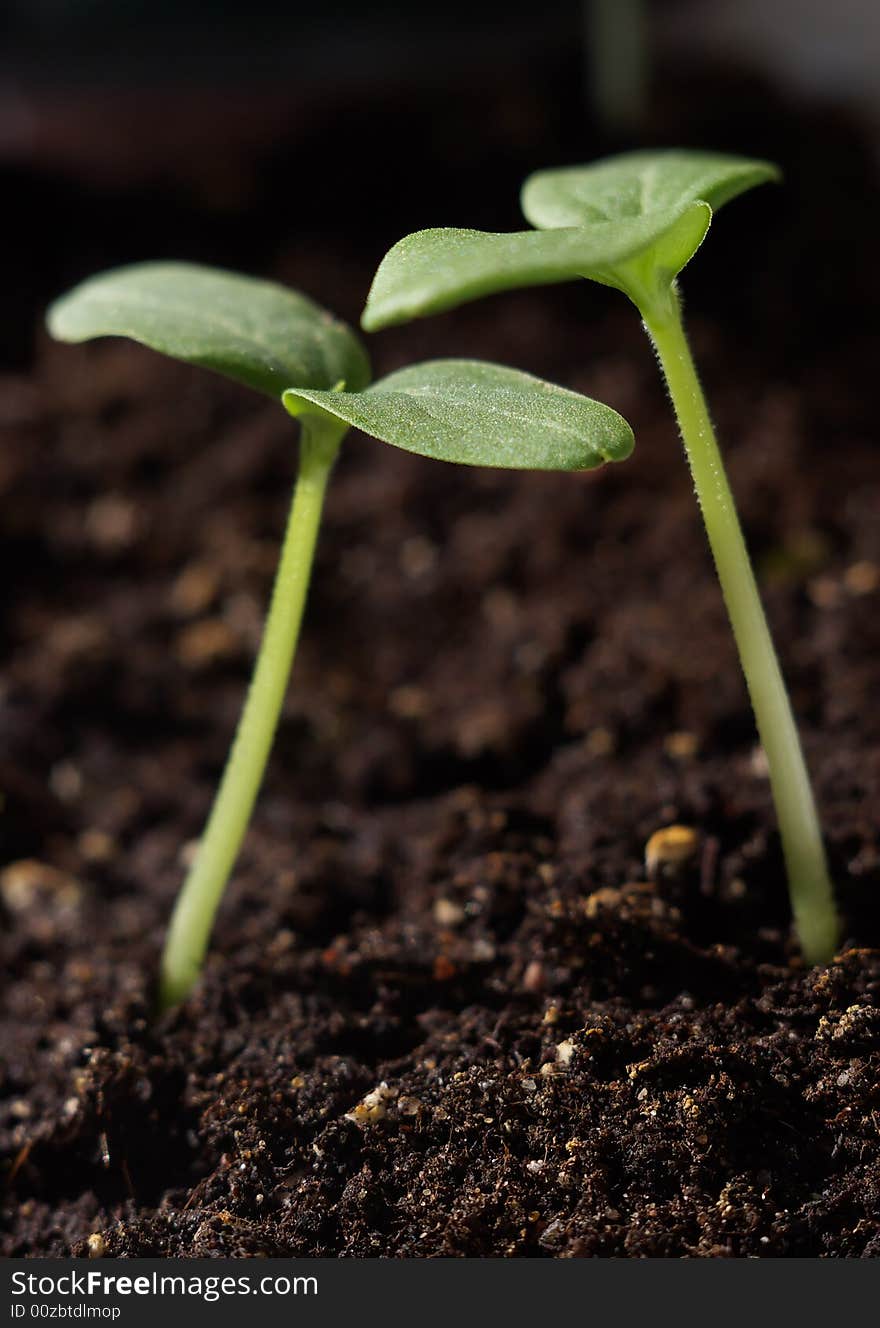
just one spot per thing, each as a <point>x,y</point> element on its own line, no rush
<point>810,888</point>
<point>199,898</point>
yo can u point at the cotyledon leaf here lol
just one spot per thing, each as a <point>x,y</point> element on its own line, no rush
<point>657,193</point>
<point>632,222</point>
<point>253,331</point>
<point>479,414</point>
<point>433,270</point>
<point>646,187</point>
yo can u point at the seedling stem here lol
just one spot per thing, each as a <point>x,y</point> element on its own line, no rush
<point>280,343</point>
<point>810,885</point>
<point>197,903</point>
<point>633,222</point>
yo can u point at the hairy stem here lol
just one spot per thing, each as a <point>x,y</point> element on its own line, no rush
<point>810,888</point>
<point>199,898</point>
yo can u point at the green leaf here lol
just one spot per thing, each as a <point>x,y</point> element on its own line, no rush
<point>479,414</point>
<point>434,270</point>
<point>632,222</point>
<point>639,186</point>
<point>657,193</point>
<point>255,332</point>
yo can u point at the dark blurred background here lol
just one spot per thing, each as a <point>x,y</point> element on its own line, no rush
<point>243,130</point>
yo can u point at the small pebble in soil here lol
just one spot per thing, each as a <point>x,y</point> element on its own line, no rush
<point>670,848</point>
<point>96,845</point>
<point>111,522</point>
<point>418,556</point>
<point>97,1245</point>
<point>682,745</point>
<point>66,781</point>
<point>447,913</point>
<point>373,1107</point>
<point>862,578</point>
<point>534,977</point>
<point>45,900</point>
<point>408,702</point>
<point>824,591</point>
<point>194,590</point>
<point>205,642</point>
<point>565,1052</point>
<point>600,742</point>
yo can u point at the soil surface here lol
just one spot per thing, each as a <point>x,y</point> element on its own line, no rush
<point>447,1010</point>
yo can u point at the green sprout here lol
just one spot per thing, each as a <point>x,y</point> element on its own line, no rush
<point>285,346</point>
<point>633,222</point>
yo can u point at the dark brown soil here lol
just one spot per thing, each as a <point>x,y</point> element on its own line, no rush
<point>445,1012</point>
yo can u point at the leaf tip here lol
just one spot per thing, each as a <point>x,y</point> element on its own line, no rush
<point>371,318</point>
<point>386,298</point>
<point>57,323</point>
<point>389,302</point>
<point>770,171</point>
<point>620,447</point>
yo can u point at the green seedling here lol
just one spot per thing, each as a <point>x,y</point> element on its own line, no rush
<point>285,346</point>
<point>633,222</point>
